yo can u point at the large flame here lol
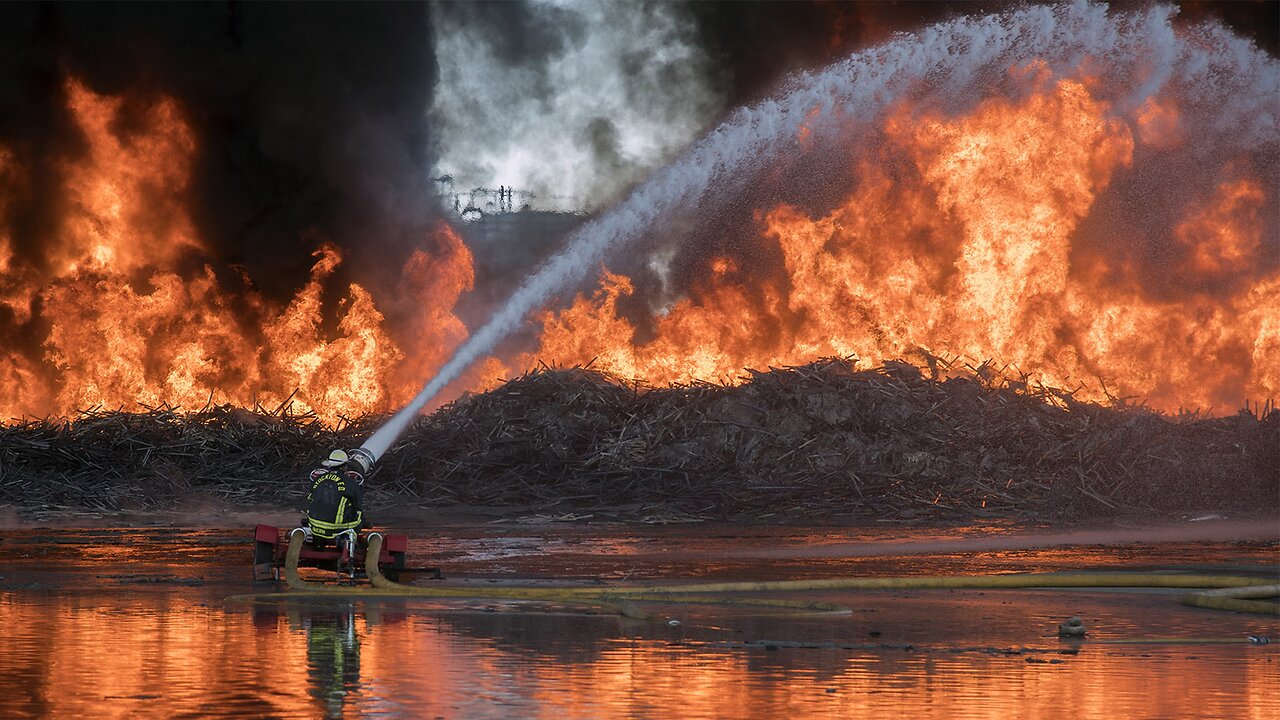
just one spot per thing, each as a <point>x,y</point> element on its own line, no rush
<point>127,327</point>
<point>967,233</point>
<point>975,250</point>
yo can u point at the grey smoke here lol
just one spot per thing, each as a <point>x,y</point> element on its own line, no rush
<point>573,101</point>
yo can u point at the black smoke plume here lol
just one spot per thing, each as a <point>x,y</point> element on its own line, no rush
<point>309,118</point>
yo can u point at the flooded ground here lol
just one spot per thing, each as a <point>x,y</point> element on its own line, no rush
<point>135,622</point>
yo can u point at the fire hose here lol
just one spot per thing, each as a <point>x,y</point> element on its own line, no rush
<point>608,598</point>
<point>1221,592</point>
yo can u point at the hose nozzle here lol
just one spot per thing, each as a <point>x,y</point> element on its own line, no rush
<point>364,459</point>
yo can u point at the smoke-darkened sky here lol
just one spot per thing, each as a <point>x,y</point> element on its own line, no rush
<point>309,118</point>
<point>328,120</point>
<point>576,102</point>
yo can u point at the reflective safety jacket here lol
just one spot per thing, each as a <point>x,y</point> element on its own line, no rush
<point>333,505</point>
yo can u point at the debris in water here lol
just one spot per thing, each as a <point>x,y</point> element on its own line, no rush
<point>1072,628</point>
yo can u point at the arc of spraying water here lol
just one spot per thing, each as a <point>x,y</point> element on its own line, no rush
<point>951,58</point>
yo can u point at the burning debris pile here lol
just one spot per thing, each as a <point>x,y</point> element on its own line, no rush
<point>824,439</point>
<point>813,441</point>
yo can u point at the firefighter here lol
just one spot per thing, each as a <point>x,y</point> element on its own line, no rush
<point>335,503</point>
<point>333,660</point>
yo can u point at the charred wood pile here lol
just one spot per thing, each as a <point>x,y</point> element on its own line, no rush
<point>106,460</point>
<point>819,441</point>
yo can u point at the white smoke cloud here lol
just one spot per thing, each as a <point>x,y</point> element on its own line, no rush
<point>572,101</point>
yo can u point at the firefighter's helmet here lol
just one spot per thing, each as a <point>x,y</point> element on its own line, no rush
<point>337,458</point>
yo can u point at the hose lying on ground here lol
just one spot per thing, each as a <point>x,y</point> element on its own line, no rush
<point>604,597</point>
<point>1225,592</point>
<point>1229,599</point>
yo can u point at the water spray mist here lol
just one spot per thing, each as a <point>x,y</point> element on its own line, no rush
<point>953,62</point>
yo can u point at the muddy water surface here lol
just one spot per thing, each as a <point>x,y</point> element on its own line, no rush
<point>135,622</point>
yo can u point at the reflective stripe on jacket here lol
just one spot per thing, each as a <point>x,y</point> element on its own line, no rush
<point>333,505</point>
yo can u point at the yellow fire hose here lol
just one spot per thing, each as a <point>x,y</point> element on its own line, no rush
<point>1230,599</point>
<point>1223,592</point>
<point>607,598</point>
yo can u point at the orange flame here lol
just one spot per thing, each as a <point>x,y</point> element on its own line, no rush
<point>1225,236</point>
<point>126,195</point>
<point>127,328</point>
<point>1159,124</point>
<point>972,252</point>
<point>962,238</point>
<point>430,286</point>
<point>340,377</point>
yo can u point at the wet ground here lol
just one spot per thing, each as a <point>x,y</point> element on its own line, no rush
<point>135,622</point>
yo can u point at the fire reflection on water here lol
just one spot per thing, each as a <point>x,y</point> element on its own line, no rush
<point>309,662</point>
<point>132,643</point>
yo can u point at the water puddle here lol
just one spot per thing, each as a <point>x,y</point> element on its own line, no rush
<point>134,623</point>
